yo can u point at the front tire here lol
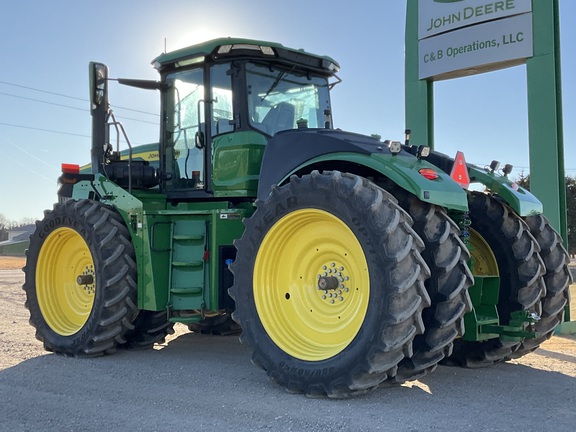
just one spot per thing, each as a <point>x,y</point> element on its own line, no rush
<point>80,279</point>
<point>315,231</point>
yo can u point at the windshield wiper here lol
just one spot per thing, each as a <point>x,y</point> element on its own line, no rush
<point>275,83</point>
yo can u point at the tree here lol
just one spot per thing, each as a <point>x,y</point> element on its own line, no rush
<point>4,226</point>
<point>524,181</point>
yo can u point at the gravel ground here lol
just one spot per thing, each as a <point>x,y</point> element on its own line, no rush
<point>207,382</point>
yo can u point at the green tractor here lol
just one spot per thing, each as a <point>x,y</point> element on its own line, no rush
<point>345,260</point>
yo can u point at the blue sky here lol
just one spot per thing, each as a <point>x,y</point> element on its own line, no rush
<point>46,45</point>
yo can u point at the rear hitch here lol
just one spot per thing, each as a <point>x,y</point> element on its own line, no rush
<point>521,326</point>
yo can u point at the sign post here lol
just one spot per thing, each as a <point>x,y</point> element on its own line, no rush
<point>448,39</point>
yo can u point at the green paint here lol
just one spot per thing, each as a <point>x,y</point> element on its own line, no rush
<point>419,93</point>
<point>484,295</point>
<point>207,48</point>
<point>236,161</point>
<point>401,170</point>
<point>520,199</point>
<point>547,177</point>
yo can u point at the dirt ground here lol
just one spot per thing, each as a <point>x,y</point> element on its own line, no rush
<point>11,263</point>
<point>209,382</point>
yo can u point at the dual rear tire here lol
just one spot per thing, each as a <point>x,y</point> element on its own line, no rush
<point>329,285</point>
<point>502,245</point>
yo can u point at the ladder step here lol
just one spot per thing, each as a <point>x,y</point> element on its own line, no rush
<point>189,237</point>
<point>187,263</point>
<point>183,320</point>
<point>186,290</point>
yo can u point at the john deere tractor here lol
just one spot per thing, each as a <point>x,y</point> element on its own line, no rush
<point>345,260</point>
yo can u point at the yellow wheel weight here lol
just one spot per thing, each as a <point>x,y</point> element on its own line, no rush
<point>65,281</point>
<point>311,284</point>
<point>483,259</point>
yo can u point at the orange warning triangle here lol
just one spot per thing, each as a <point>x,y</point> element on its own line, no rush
<point>459,171</point>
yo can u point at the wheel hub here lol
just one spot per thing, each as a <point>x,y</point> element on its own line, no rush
<point>332,283</point>
<point>86,279</point>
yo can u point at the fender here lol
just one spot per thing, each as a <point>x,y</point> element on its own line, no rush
<point>311,149</point>
<point>132,211</point>
<point>520,199</point>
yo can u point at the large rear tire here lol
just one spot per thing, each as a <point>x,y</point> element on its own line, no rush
<point>515,252</point>
<point>557,280</point>
<point>447,257</point>
<point>343,233</point>
<point>80,279</point>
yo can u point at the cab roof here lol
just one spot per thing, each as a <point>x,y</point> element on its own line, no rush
<point>234,47</point>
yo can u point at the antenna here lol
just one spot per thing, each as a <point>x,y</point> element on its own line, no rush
<point>164,45</point>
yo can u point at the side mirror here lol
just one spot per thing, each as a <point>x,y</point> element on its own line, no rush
<point>98,85</point>
<point>199,140</point>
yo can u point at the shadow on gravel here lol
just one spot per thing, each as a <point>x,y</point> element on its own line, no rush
<point>198,381</point>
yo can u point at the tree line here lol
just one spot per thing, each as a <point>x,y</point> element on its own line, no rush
<point>6,225</point>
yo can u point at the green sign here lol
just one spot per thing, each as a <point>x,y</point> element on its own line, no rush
<point>446,39</point>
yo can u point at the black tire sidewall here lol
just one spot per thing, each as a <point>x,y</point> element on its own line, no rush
<point>503,250</point>
<point>64,215</point>
<point>272,357</point>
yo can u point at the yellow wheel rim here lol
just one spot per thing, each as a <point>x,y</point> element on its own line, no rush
<point>303,320</point>
<point>65,281</point>
<point>483,259</point>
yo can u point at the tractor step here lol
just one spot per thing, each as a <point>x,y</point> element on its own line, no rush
<point>189,290</point>
<point>188,265</point>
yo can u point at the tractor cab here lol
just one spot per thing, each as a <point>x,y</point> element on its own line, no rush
<point>221,102</point>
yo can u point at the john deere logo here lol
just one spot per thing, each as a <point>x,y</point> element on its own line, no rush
<point>461,16</point>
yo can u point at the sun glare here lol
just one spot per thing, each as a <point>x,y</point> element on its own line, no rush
<point>192,38</point>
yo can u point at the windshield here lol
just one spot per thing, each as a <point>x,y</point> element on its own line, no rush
<point>278,99</point>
